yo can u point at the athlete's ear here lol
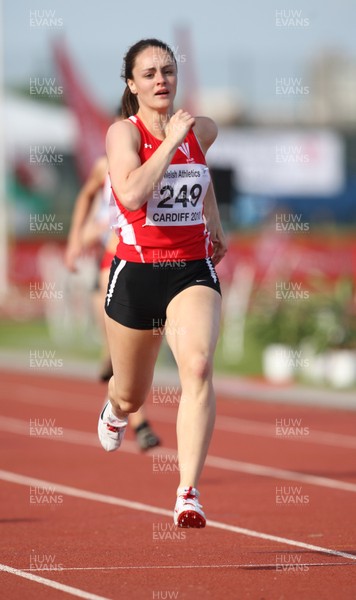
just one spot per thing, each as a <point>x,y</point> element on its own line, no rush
<point>132,86</point>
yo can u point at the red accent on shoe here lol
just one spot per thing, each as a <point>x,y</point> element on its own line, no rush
<point>190,518</point>
<point>112,428</point>
<point>188,494</point>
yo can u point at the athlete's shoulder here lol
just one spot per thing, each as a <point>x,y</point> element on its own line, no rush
<point>124,130</point>
<point>206,131</point>
<point>123,127</point>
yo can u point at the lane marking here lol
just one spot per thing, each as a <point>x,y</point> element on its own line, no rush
<point>53,584</point>
<point>222,423</point>
<point>72,436</point>
<point>241,388</point>
<point>241,566</point>
<point>103,498</point>
<point>276,473</point>
<point>315,436</point>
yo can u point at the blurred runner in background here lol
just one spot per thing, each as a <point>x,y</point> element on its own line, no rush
<point>90,230</point>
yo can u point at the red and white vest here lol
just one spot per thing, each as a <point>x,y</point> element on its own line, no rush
<point>170,225</point>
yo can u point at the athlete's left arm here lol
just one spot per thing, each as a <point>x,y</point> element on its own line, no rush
<point>206,131</point>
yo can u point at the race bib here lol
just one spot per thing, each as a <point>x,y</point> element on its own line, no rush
<point>178,198</point>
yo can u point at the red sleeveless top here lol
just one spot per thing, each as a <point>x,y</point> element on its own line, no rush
<point>170,225</point>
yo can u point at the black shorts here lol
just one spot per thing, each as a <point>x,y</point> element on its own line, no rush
<point>139,293</point>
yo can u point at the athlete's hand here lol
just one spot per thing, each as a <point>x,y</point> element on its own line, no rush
<point>178,126</point>
<point>219,244</point>
<point>72,252</point>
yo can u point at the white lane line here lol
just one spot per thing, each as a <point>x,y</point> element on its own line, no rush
<point>315,436</point>
<point>287,566</point>
<point>96,497</point>
<point>72,436</point>
<point>53,584</point>
<point>275,473</point>
<point>44,397</point>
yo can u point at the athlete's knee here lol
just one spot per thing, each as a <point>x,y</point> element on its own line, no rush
<point>198,366</point>
<point>126,403</point>
<point>124,400</point>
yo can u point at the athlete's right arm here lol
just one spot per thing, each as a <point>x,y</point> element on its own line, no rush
<point>132,181</point>
<point>82,206</point>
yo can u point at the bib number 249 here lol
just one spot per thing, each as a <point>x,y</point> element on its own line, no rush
<point>168,199</point>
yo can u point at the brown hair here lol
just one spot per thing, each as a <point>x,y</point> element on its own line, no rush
<point>129,100</point>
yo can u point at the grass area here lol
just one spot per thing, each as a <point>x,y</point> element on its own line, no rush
<point>18,335</point>
<point>229,360</point>
<point>26,336</point>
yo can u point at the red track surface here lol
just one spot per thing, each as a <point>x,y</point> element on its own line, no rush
<point>104,547</point>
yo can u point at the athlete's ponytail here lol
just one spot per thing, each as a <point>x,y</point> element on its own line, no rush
<point>129,100</point>
<point>129,103</point>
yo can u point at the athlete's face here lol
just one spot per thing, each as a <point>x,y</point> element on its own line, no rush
<point>154,79</point>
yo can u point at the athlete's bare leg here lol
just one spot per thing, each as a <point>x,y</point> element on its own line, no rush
<point>135,419</point>
<point>192,329</point>
<point>133,353</point>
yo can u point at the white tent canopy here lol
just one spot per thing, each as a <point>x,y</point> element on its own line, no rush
<point>29,123</point>
<point>283,161</point>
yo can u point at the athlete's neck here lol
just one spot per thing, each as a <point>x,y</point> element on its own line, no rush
<point>155,122</point>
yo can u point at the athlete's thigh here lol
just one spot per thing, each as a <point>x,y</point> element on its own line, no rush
<point>133,354</point>
<point>193,319</point>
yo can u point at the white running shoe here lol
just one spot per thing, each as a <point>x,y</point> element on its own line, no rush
<point>187,511</point>
<point>111,430</point>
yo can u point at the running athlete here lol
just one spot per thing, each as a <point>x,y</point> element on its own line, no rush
<point>163,274</point>
<point>90,227</point>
